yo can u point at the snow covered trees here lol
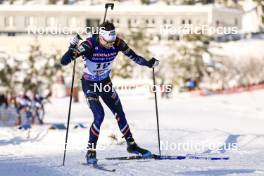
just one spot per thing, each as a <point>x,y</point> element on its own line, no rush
<point>31,70</point>
<point>124,67</point>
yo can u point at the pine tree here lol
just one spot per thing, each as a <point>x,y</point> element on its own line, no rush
<point>189,61</point>
<point>260,11</point>
<point>35,72</point>
<point>9,66</point>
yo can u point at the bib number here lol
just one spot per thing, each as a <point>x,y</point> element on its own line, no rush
<point>102,65</point>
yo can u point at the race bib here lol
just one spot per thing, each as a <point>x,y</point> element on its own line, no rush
<point>97,68</point>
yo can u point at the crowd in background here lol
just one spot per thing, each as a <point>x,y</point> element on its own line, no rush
<point>23,110</point>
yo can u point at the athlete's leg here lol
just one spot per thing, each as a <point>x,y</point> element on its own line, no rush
<point>112,100</point>
<point>97,110</point>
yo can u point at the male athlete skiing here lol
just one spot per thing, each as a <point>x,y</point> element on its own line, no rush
<point>99,52</point>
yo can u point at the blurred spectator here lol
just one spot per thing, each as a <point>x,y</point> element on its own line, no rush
<point>38,108</point>
<point>191,84</point>
<point>8,113</point>
<point>3,100</point>
<point>23,110</point>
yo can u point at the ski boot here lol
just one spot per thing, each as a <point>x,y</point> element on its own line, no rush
<point>132,147</point>
<point>91,156</point>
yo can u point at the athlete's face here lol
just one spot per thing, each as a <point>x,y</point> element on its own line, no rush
<point>105,43</point>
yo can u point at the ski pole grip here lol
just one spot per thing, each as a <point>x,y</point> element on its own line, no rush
<point>111,5</point>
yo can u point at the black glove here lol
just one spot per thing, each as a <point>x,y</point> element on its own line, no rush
<point>75,41</point>
<point>153,63</point>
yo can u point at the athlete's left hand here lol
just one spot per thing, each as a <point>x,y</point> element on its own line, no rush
<point>153,63</point>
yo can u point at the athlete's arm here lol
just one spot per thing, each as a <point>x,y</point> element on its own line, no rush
<point>69,56</point>
<point>122,46</point>
<point>74,51</point>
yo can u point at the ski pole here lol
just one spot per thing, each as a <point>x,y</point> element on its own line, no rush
<point>69,112</point>
<point>156,107</point>
<point>111,5</point>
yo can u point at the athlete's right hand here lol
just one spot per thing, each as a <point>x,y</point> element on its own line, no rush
<point>74,41</point>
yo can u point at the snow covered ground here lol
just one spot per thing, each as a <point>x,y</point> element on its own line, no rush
<point>188,125</point>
